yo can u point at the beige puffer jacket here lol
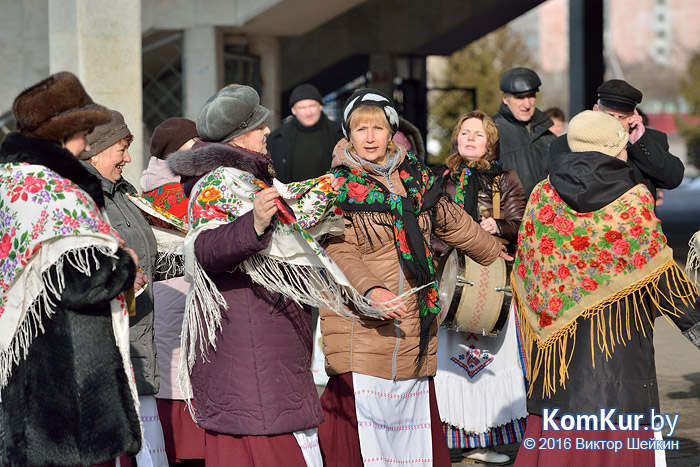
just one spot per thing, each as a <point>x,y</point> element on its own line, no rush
<point>367,255</point>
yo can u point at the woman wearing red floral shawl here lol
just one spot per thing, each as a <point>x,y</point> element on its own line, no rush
<point>592,271</point>
<point>379,404</point>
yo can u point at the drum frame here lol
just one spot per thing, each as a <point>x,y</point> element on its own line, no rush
<point>462,281</point>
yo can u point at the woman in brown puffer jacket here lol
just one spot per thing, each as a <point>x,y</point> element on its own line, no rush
<point>380,401</point>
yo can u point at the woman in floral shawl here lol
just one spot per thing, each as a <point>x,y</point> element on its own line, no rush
<point>381,361</point>
<point>591,273</point>
<point>246,345</point>
<point>67,395</point>
<point>480,382</point>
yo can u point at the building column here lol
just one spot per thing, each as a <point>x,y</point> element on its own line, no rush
<point>199,68</point>
<point>100,41</point>
<point>267,47</point>
<point>586,66</point>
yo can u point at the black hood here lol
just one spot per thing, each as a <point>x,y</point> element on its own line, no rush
<point>588,181</point>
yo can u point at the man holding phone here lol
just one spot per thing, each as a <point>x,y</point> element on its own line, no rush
<point>648,151</point>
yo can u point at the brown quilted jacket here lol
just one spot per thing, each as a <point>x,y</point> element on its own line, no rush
<point>368,257</point>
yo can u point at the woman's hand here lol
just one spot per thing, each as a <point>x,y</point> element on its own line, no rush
<point>333,181</point>
<point>504,254</point>
<point>139,281</point>
<point>489,225</point>
<point>131,252</point>
<point>264,208</point>
<point>383,295</point>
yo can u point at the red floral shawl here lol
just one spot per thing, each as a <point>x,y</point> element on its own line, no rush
<point>572,266</point>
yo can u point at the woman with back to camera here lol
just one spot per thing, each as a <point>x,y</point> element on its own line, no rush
<point>67,397</point>
<point>480,382</point>
<point>592,272</point>
<point>379,404</point>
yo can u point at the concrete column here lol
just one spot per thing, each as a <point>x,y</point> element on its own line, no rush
<point>267,47</point>
<point>199,68</point>
<point>100,41</point>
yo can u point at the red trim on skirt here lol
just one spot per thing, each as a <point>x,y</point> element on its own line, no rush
<point>582,457</point>
<point>338,435</point>
<point>183,438</point>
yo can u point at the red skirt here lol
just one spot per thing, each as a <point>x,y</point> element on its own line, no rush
<point>338,435</point>
<point>183,438</point>
<point>252,451</point>
<point>557,454</point>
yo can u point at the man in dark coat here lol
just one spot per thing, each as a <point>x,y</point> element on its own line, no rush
<point>647,150</point>
<point>523,130</point>
<point>302,147</point>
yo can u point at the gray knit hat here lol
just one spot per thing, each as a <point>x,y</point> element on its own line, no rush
<point>596,131</point>
<point>232,111</point>
<point>107,134</point>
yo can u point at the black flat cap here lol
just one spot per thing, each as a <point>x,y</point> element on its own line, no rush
<point>519,81</point>
<point>618,94</point>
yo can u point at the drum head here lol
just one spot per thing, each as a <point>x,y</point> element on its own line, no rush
<point>447,273</point>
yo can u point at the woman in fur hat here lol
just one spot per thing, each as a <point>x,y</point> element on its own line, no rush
<point>592,271</point>
<point>66,392</point>
<point>380,403</point>
<point>105,158</point>
<point>246,353</point>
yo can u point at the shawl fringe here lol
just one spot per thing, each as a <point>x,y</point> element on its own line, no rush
<point>692,263</point>
<point>553,356</point>
<point>43,307</point>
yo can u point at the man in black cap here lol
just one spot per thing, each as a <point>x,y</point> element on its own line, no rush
<point>302,147</point>
<point>647,149</point>
<point>523,130</point>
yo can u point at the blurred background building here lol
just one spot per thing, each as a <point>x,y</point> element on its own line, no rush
<point>154,59</point>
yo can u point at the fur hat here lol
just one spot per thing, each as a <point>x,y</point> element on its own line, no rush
<point>232,111</point>
<point>596,131</point>
<point>57,108</point>
<point>170,135</point>
<point>305,91</point>
<point>372,97</point>
<point>106,135</point>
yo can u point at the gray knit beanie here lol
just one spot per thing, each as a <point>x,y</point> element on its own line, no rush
<point>232,111</point>
<point>596,131</point>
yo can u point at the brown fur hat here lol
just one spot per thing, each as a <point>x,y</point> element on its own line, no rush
<point>56,108</point>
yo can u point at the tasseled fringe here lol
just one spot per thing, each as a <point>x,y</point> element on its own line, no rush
<point>607,330</point>
<point>315,287</point>
<point>42,306</point>
<point>692,263</point>
<point>170,264</point>
<point>201,320</point>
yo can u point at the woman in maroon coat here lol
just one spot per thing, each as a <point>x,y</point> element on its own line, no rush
<point>253,389</point>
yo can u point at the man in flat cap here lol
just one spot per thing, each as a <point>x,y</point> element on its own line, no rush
<point>302,147</point>
<point>647,149</point>
<point>523,130</point>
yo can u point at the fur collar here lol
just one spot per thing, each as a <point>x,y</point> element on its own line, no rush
<point>18,148</point>
<point>193,164</point>
<point>202,159</point>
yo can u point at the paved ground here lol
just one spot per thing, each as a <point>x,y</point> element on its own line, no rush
<point>677,360</point>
